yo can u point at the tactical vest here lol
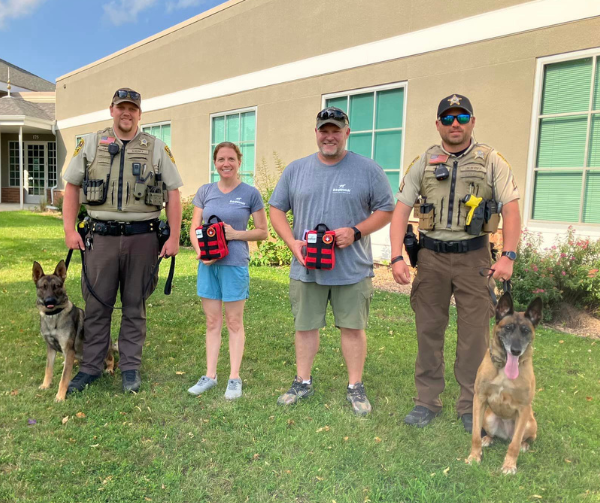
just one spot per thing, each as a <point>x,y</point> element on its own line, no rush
<point>130,180</point>
<point>468,174</point>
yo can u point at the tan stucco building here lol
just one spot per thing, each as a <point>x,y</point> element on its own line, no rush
<point>257,71</point>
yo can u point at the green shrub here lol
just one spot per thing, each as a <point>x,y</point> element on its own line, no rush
<point>187,209</point>
<point>565,272</point>
<point>273,250</point>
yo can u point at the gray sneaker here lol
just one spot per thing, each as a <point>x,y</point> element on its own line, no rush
<point>204,384</point>
<point>358,398</point>
<point>234,389</point>
<point>298,391</point>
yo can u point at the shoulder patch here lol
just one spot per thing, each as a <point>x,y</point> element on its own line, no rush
<point>168,151</point>
<point>410,166</point>
<point>79,147</point>
<point>502,157</point>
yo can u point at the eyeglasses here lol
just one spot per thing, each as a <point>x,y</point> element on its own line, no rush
<point>122,93</point>
<point>332,113</point>
<point>448,120</point>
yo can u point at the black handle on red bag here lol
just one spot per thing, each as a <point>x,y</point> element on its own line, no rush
<point>213,216</point>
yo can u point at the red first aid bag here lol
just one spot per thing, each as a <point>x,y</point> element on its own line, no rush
<point>211,239</point>
<point>320,248</point>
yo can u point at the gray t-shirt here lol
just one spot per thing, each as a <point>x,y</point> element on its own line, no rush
<point>234,208</point>
<point>341,195</point>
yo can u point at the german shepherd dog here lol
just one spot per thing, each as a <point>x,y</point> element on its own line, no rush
<point>505,384</point>
<point>61,326</point>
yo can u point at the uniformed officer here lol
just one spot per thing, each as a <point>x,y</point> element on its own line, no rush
<point>463,186</point>
<point>124,175</point>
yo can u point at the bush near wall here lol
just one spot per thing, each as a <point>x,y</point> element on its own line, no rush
<point>566,272</point>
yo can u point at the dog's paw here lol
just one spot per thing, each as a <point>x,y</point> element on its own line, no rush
<point>487,441</point>
<point>44,386</point>
<point>509,468</point>
<point>524,446</point>
<point>110,372</point>
<point>59,398</point>
<point>473,458</point>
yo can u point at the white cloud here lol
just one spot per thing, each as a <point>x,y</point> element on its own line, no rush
<point>126,11</point>
<point>10,9</point>
<point>182,4</point>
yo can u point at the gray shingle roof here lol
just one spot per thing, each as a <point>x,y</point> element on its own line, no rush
<point>23,78</point>
<point>17,106</point>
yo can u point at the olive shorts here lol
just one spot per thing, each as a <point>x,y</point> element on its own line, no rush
<point>350,304</point>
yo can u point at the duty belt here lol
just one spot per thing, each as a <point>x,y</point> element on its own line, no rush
<point>464,246</point>
<point>114,228</point>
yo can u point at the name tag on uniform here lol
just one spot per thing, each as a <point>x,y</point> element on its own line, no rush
<point>137,151</point>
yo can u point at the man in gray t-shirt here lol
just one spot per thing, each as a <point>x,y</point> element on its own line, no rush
<point>350,194</point>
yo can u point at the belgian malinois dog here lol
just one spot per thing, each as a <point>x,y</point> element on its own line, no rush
<point>61,326</point>
<point>505,384</point>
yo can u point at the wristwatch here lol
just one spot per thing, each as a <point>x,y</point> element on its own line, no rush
<point>510,254</point>
<point>357,234</point>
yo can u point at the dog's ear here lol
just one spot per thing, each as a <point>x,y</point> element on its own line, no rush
<point>61,270</point>
<point>504,307</point>
<point>37,273</point>
<point>534,311</point>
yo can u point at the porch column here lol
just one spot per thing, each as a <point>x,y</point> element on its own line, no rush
<point>21,184</point>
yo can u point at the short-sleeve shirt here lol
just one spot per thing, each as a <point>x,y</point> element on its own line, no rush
<point>339,195</point>
<point>84,156</point>
<point>234,208</point>
<point>505,187</point>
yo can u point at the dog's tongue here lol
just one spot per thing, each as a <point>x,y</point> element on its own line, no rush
<point>511,369</point>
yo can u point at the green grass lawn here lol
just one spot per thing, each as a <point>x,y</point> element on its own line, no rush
<point>165,445</point>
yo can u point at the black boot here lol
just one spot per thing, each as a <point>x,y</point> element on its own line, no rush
<point>131,380</point>
<point>80,381</point>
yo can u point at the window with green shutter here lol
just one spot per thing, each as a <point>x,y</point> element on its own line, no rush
<point>161,130</point>
<point>376,125</point>
<point>566,185</point>
<point>239,127</point>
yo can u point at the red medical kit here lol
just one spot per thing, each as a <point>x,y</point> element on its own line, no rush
<point>320,248</point>
<point>211,239</point>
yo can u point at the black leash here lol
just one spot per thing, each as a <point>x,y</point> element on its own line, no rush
<point>506,284</point>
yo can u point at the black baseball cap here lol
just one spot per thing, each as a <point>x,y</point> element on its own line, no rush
<point>332,115</point>
<point>454,101</point>
<point>125,94</point>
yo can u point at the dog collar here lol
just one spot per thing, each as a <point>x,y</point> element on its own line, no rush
<point>56,311</point>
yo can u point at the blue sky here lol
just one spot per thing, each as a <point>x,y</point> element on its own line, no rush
<point>53,37</point>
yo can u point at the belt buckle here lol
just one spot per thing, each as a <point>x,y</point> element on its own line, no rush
<point>124,229</point>
<point>453,246</point>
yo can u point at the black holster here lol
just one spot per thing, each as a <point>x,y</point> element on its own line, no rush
<point>411,243</point>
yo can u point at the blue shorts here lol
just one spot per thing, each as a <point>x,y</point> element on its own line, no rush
<point>228,283</point>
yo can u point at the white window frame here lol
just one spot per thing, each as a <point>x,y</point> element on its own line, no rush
<point>231,112</point>
<point>593,230</point>
<point>375,89</point>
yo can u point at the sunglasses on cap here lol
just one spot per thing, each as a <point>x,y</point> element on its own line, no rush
<point>122,94</point>
<point>448,120</point>
<point>332,113</point>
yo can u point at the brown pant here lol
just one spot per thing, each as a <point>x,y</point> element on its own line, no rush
<point>439,276</point>
<point>117,263</point>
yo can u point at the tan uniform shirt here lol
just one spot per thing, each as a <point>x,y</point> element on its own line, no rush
<point>84,157</point>
<point>504,186</point>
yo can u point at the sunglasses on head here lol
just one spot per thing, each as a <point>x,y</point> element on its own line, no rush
<point>122,93</point>
<point>330,113</point>
<point>448,120</point>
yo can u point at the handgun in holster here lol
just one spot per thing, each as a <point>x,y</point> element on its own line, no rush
<point>412,245</point>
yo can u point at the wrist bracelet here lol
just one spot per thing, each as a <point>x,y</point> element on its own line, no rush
<point>397,259</point>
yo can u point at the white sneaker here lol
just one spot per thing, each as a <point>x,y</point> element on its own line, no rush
<point>205,383</point>
<point>234,389</point>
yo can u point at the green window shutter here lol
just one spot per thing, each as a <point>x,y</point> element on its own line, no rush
<point>218,130</point>
<point>166,134</point>
<point>594,149</point>
<point>361,112</point>
<point>361,143</point>
<point>387,149</point>
<point>591,205</point>
<point>341,103</point>
<point>562,142</point>
<point>390,109</point>
<point>567,86</point>
<point>552,187</point>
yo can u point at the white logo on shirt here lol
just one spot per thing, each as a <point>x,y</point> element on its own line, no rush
<point>342,189</point>
<point>237,200</point>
